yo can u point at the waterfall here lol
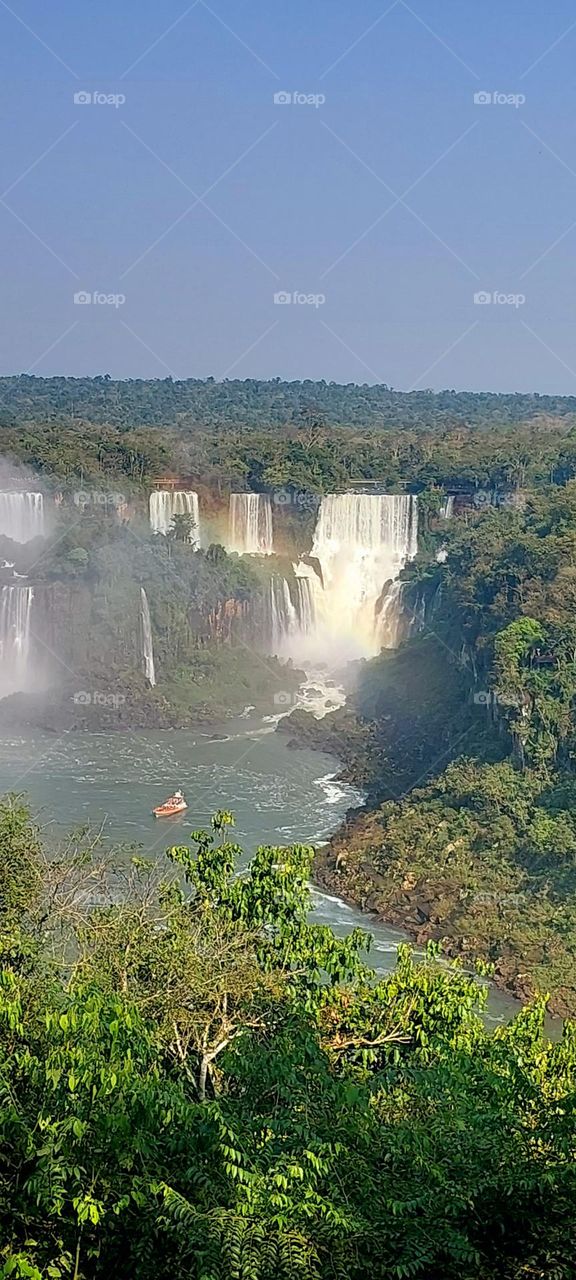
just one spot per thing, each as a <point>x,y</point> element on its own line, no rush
<point>21,515</point>
<point>147,646</point>
<point>391,628</point>
<point>281,613</point>
<point>351,605</point>
<point>251,524</point>
<point>401,613</point>
<point>15,611</point>
<point>167,503</point>
<point>308,587</point>
<point>291,610</point>
<point>447,510</point>
<point>362,542</point>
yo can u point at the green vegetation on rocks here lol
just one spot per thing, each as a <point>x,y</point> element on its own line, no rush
<point>469,742</point>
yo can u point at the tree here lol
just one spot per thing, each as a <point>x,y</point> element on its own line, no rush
<point>347,1128</point>
<point>182,527</point>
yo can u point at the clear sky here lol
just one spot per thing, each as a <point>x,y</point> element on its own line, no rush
<point>389,204</point>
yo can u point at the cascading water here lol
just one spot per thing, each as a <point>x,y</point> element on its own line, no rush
<point>401,613</point>
<point>251,524</point>
<point>351,605</point>
<point>308,587</point>
<point>281,613</point>
<point>291,610</point>
<point>167,503</point>
<point>22,515</point>
<point>447,511</point>
<point>362,542</point>
<point>147,645</point>
<point>390,617</point>
<point>15,614</point>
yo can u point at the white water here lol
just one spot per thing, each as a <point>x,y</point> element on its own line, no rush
<point>167,503</point>
<point>361,543</point>
<point>319,694</point>
<point>15,612</point>
<point>250,524</point>
<point>309,588</point>
<point>291,610</point>
<point>22,515</point>
<point>447,511</point>
<point>147,645</point>
<point>390,620</point>
<point>283,618</point>
<point>399,619</point>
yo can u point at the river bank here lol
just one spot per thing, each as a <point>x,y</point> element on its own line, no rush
<point>442,899</point>
<point>216,688</point>
<point>417,914</point>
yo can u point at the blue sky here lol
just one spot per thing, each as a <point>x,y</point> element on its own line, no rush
<point>390,204</point>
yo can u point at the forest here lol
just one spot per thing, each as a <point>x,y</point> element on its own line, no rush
<point>198,1083</point>
<point>466,740</point>
<point>254,404</point>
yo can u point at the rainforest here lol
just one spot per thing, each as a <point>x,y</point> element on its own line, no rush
<point>276,1049</point>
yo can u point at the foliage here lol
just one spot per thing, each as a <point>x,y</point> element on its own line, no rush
<point>195,1080</point>
<point>204,1084</point>
<point>482,858</point>
<point>139,403</point>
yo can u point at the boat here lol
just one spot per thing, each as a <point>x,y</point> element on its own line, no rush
<point>174,804</point>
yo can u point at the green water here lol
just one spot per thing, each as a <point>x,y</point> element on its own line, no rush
<point>114,780</point>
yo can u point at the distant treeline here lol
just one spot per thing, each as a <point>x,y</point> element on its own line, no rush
<point>257,404</point>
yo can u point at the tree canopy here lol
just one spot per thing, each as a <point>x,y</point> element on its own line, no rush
<point>197,1082</point>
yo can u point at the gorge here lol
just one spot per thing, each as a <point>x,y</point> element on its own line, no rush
<point>439,796</point>
<point>119,620</point>
<point>361,543</point>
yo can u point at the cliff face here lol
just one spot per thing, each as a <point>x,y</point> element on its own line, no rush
<point>75,656</point>
<point>78,629</point>
<point>74,631</point>
<point>231,620</point>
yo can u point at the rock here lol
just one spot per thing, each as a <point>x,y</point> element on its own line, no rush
<point>372,875</point>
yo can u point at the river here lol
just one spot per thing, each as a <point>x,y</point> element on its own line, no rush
<point>114,780</point>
